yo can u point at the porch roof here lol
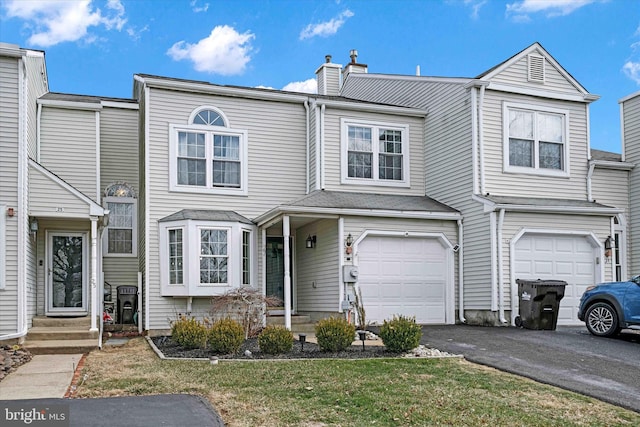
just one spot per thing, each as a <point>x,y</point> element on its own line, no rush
<point>206,215</point>
<point>365,204</point>
<point>549,205</point>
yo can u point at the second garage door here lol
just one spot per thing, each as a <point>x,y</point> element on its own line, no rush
<point>568,258</point>
<point>403,275</point>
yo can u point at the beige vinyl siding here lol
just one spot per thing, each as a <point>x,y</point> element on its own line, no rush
<point>314,184</point>
<point>36,86</point>
<point>118,147</point>
<point>276,160</point>
<point>517,75</point>
<point>318,265</point>
<point>514,222</point>
<point>631,132</point>
<point>48,198</point>
<point>68,147</point>
<point>532,185</point>
<point>9,138</point>
<point>332,151</point>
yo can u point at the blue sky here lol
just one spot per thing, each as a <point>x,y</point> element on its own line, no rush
<point>95,47</point>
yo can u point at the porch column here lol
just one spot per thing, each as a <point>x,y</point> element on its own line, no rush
<point>287,273</point>
<point>94,273</point>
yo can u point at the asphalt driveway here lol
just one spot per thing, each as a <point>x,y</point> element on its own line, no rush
<point>569,357</point>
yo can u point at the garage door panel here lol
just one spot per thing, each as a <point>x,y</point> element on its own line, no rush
<point>409,278</point>
<point>568,258</point>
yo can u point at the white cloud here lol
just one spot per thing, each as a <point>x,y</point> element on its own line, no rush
<point>307,86</point>
<point>520,10</point>
<point>198,9</point>
<point>326,29</point>
<point>224,51</point>
<point>475,5</point>
<point>632,70</point>
<point>58,21</point>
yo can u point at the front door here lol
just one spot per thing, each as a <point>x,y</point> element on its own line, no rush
<point>275,269</point>
<point>67,274</point>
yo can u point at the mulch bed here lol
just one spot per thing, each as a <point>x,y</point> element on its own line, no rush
<point>12,357</point>
<point>251,350</point>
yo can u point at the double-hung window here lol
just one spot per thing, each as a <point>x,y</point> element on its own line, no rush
<point>206,156</point>
<point>121,234</point>
<point>536,140</point>
<point>375,153</point>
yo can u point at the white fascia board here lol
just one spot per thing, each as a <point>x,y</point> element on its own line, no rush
<point>608,164</point>
<point>221,90</point>
<point>335,212</point>
<point>375,108</point>
<point>94,208</point>
<point>521,90</point>
<point>628,97</point>
<point>477,83</point>
<point>73,105</point>
<point>122,105</point>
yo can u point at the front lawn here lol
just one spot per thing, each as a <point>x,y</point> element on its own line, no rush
<point>314,393</point>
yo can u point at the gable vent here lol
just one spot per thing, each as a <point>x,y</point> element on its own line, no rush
<point>536,68</point>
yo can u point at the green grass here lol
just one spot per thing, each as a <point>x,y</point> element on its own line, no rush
<point>379,392</point>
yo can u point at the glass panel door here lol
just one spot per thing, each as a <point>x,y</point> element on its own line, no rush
<point>67,284</point>
<point>275,268</point>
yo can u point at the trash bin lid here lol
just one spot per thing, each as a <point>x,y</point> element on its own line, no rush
<point>540,282</point>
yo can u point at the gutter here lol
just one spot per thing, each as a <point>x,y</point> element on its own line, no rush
<point>308,144</point>
<point>461,273</point>
<point>500,269</point>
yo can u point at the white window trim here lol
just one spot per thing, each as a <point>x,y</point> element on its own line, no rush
<point>197,111</point>
<point>208,131</point>
<point>344,153</point>
<point>191,285</point>
<point>535,170</point>
<point>134,233</point>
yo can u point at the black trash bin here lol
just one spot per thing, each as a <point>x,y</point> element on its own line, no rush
<point>127,303</point>
<point>539,303</point>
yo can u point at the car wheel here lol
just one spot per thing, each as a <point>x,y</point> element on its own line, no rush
<point>601,320</point>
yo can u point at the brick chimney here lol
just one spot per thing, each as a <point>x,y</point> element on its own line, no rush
<point>328,77</point>
<point>353,66</point>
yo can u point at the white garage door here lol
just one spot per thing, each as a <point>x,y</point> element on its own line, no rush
<point>403,275</point>
<point>568,258</point>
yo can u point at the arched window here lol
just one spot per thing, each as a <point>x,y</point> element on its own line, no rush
<point>209,117</point>
<point>121,235</point>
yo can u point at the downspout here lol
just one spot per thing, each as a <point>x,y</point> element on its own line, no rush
<point>23,206</point>
<point>147,229</point>
<point>341,284</point>
<point>474,139</point>
<point>592,166</point>
<point>500,269</point>
<point>308,143</point>
<point>494,263</point>
<point>322,108</point>
<point>461,273</point>
<point>287,272</point>
<point>94,274</point>
<point>612,231</point>
<point>98,158</point>
<point>481,138</point>
<point>263,267</point>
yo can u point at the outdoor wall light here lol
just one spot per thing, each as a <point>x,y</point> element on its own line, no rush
<point>609,244</point>
<point>349,241</point>
<point>303,339</point>
<point>363,337</point>
<point>311,241</point>
<point>33,225</point>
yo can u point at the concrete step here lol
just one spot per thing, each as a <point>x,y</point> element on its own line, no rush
<point>46,333</point>
<point>278,319</point>
<point>60,346</point>
<point>43,321</point>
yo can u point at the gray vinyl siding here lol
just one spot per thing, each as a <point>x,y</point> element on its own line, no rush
<point>276,161</point>
<point>319,265</point>
<point>477,258</point>
<point>333,150</point>
<point>631,131</point>
<point>517,74</point>
<point>36,86</point>
<point>48,198</point>
<point>313,145</point>
<point>531,185</point>
<point>9,138</point>
<point>68,147</point>
<point>514,222</point>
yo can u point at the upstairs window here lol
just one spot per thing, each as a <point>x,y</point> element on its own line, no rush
<point>207,156</point>
<point>375,153</point>
<point>121,235</point>
<point>535,140</point>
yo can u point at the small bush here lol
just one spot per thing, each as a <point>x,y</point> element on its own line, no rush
<point>334,334</point>
<point>400,334</point>
<point>188,332</point>
<point>225,336</point>
<point>275,340</point>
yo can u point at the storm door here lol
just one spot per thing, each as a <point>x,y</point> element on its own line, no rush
<point>67,274</point>
<point>275,269</point>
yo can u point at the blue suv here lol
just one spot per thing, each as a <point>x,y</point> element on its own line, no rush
<point>608,307</point>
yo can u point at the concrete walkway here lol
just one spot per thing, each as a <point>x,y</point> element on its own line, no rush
<point>45,376</point>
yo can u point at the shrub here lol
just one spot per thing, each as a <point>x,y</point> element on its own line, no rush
<point>400,334</point>
<point>275,339</point>
<point>225,336</point>
<point>246,305</point>
<point>188,332</point>
<point>334,334</point>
